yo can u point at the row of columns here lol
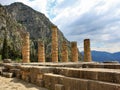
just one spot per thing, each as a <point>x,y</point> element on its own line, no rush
<point>41,49</point>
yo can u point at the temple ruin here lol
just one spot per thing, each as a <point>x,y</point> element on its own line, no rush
<point>64,52</point>
<point>87,52</point>
<point>41,51</point>
<point>65,75</point>
<point>74,52</point>
<point>26,49</point>
<point>54,44</point>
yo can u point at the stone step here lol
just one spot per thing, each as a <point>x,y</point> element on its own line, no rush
<point>52,81</point>
<point>107,75</point>
<point>7,74</point>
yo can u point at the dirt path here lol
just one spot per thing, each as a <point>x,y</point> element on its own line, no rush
<point>16,84</point>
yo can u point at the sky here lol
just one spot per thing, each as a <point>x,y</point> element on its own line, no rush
<point>98,20</point>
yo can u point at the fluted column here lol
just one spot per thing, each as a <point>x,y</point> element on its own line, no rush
<point>54,44</point>
<point>74,52</point>
<point>87,52</point>
<point>41,52</point>
<point>26,49</point>
<point>64,52</point>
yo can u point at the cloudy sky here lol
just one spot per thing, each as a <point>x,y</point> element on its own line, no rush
<point>98,20</point>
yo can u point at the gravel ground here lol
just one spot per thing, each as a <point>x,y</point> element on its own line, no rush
<point>16,84</point>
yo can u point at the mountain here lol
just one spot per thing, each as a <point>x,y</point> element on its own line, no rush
<point>12,31</point>
<point>39,27</point>
<point>101,56</point>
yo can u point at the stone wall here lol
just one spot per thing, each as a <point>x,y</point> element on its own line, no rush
<point>67,76</point>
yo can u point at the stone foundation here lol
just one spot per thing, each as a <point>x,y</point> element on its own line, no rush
<point>68,76</point>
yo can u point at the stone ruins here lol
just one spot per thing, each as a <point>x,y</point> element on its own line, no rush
<point>41,52</point>
<point>54,44</point>
<point>87,52</point>
<point>64,52</point>
<point>26,49</point>
<point>65,75</point>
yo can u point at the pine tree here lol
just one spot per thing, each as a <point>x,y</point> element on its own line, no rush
<point>5,47</point>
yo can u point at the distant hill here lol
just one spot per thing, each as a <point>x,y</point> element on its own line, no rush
<point>101,56</point>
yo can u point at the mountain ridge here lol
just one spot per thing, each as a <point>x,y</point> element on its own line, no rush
<point>101,56</point>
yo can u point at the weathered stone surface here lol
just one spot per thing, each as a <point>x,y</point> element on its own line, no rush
<point>36,73</point>
<point>52,79</point>
<point>74,52</point>
<point>7,61</point>
<point>41,52</point>
<point>26,49</point>
<point>25,76</point>
<point>64,52</point>
<point>54,44</point>
<point>74,83</point>
<point>59,87</point>
<point>97,85</point>
<point>7,74</point>
<point>87,52</point>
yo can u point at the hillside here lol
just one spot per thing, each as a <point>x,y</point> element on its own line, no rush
<point>39,27</point>
<point>13,31</point>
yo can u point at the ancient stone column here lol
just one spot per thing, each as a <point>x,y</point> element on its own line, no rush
<point>54,44</point>
<point>41,52</point>
<point>26,49</point>
<point>87,52</point>
<point>74,52</point>
<point>64,52</point>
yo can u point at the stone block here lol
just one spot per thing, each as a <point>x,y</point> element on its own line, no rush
<point>7,74</point>
<point>109,77</point>
<point>40,83</point>
<point>51,79</point>
<point>92,75</point>
<point>59,87</point>
<point>97,85</point>
<point>74,83</point>
<point>25,76</point>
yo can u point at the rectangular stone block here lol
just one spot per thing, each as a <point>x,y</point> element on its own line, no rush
<point>113,77</point>
<point>74,83</point>
<point>92,75</point>
<point>14,71</point>
<point>25,76</point>
<point>7,74</point>
<point>36,73</point>
<point>59,87</point>
<point>97,85</point>
<point>40,83</point>
<point>51,79</point>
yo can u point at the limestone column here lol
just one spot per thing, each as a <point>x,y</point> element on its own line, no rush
<point>64,52</point>
<point>74,52</point>
<point>54,44</point>
<point>87,52</point>
<point>26,49</point>
<point>41,52</point>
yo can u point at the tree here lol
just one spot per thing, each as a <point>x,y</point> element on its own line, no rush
<point>5,47</point>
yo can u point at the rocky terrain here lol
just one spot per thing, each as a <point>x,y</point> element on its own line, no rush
<point>11,30</point>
